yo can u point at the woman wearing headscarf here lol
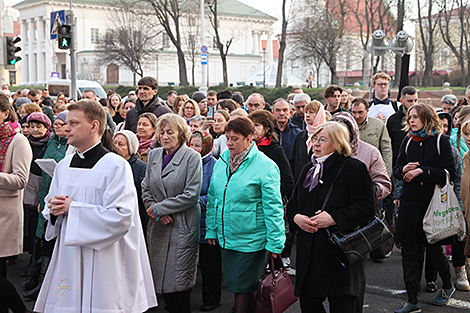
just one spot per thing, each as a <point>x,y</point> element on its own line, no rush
<point>309,212</point>
<point>368,154</point>
<point>301,152</point>
<point>209,255</point>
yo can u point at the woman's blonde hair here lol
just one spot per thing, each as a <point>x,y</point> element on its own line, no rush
<point>339,136</point>
<point>238,113</point>
<point>428,117</point>
<point>464,114</point>
<point>466,128</point>
<point>313,105</point>
<point>175,122</point>
<point>197,111</point>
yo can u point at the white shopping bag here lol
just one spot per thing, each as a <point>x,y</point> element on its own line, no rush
<point>444,217</point>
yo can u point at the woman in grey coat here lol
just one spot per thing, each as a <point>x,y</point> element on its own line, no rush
<point>170,191</point>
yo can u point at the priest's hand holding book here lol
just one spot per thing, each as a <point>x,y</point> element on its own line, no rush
<point>59,205</point>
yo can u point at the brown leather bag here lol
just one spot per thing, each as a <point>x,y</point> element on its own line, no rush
<point>275,290</point>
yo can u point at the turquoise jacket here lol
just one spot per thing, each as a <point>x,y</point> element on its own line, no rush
<point>453,141</point>
<point>244,210</point>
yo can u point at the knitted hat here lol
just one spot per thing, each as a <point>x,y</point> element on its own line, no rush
<point>198,96</point>
<point>132,141</point>
<point>62,116</point>
<point>41,118</point>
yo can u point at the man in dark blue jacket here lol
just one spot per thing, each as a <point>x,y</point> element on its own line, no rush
<point>284,128</point>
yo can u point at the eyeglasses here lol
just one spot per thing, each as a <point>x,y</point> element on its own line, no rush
<point>299,106</point>
<point>382,85</point>
<point>58,125</point>
<point>321,140</point>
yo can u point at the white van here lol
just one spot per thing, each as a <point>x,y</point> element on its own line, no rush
<point>64,85</point>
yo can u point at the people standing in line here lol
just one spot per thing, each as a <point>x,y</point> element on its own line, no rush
<point>332,94</point>
<point>126,144</point>
<point>189,109</point>
<point>266,141</point>
<point>244,212</point>
<point>319,274</point>
<point>92,210</point>
<point>170,191</point>
<point>147,103</point>
<point>300,101</point>
<point>221,119</point>
<point>302,151</point>
<point>381,106</point>
<point>210,261</point>
<point>146,127</point>
<point>15,162</point>
<point>56,148</point>
<point>286,130</point>
<point>421,166</point>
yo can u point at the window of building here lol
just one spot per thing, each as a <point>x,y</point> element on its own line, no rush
<point>444,56</point>
<point>165,40</point>
<point>12,78</point>
<point>95,34</point>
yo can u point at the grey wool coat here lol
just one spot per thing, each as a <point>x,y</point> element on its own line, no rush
<point>173,248</point>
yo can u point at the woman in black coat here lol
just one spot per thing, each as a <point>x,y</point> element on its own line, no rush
<point>421,165</point>
<point>351,204</point>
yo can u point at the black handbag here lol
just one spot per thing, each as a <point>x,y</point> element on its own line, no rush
<point>387,246</point>
<point>355,245</point>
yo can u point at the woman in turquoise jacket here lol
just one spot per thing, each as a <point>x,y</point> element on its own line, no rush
<point>245,215</point>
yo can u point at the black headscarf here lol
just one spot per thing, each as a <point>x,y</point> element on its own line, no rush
<point>444,115</point>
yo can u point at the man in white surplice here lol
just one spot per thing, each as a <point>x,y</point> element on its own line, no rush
<point>100,262</point>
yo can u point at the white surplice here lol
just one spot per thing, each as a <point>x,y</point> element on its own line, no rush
<point>100,262</point>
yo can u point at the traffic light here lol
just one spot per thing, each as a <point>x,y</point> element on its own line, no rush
<point>64,36</point>
<point>11,50</point>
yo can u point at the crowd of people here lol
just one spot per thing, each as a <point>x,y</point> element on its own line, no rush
<point>136,194</point>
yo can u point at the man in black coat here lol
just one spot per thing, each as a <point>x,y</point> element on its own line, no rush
<point>147,102</point>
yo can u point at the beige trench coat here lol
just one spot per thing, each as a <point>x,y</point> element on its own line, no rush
<point>13,179</point>
<point>465,195</point>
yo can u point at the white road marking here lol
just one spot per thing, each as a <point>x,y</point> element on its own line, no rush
<point>387,290</point>
<point>461,304</point>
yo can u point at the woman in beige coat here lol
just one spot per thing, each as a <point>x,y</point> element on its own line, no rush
<point>15,159</point>
<point>465,192</point>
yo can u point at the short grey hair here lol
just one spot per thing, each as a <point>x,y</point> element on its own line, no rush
<point>198,118</point>
<point>449,99</point>
<point>256,94</point>
<point>302,97</point>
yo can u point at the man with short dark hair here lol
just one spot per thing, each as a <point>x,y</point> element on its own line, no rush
<point>91,95</point>
<point>286,131</point>
<point>45,95</point>
<point>296,90</point>
<point>170,98</point>
<point>36,98</point>
<point>332,95</point>
<point>147,102</point>
<point>224,94</point>
<point>94,214</point>
<point>373,131</point>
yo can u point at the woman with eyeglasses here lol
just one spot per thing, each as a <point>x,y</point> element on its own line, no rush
<point>310,211</point>
<point>189,109</point>
<point>55,149</point>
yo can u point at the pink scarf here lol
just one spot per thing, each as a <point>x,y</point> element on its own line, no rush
<point>319,119</point>
<point>7,132</point>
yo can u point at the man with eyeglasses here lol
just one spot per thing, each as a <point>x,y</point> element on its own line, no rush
<point>147,102</point>
<point>35,97</point>
<point>332,95</point>
<point>381,106</point>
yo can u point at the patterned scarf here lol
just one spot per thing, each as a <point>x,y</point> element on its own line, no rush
<point>7,132</point>
<point>319,119</point>
<point>144,144</point>
<point>316,172</point>
<point>236,160</point>
<point>421,135</point>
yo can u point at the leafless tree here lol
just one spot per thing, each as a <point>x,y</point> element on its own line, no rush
<point>427,25</point>
<point>282,46</point>
<point>128,43</point>
<point>320,33</point>
<point>400,23</point>
<point>453,31</point>
<point>222,47</point>
<point>191,34</point>
<point>169,14</point>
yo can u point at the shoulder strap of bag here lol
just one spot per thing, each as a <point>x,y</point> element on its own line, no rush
<point>438,144</point>
<point>332,185</point>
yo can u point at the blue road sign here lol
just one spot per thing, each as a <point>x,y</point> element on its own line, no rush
<point>57,18</point>
<point>203,58</point>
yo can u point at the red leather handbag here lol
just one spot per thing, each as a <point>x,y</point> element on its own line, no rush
<point>275,290</point>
